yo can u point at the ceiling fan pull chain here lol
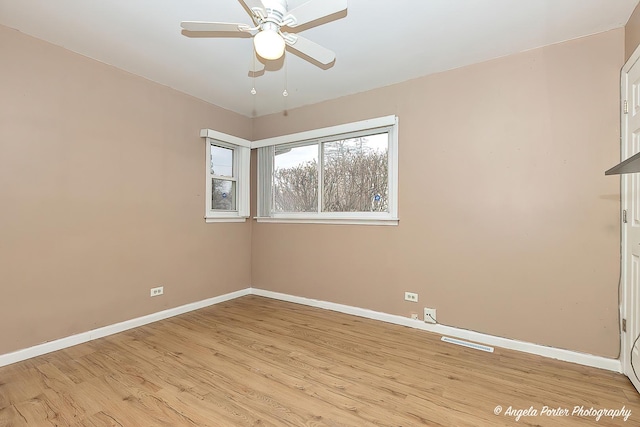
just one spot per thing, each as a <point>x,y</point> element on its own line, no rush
<point>253,74</point>
<point>285,93</point>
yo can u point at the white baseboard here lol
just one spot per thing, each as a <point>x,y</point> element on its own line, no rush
<point>525,347</point>
<point>59,344</point>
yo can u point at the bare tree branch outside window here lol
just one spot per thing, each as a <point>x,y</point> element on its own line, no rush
<point>355,177</point>
<point>223,194</point>
<point>296,188</point>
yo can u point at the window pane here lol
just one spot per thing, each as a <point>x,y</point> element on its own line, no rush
<point>221,161</point>
<point>295,179</point>
<point>356,174</point>
<point>223,195</point>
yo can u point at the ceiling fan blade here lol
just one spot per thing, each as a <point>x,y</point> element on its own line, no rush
<point>310,49</point>
<point>225,27</point>
<point>315,9</point>
<point>254,4</point>
<point>256,66</point>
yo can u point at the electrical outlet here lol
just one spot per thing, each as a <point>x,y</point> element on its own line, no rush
<point>430,315</point>
<point>414,316</point>
<point>157,291</point>
<point>410,296</point>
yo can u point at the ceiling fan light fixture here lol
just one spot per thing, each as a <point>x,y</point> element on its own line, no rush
<point>269,44</point>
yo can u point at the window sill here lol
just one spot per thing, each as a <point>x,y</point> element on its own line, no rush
<point>341,221</point>
<point>225,219</point>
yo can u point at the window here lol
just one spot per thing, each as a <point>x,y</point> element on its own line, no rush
<point>223,181</point>
<point>227,177</point>
<point>345,174</point>
<point>295,179</point>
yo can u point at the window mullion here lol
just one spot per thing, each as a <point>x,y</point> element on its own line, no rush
<point>226,178</point>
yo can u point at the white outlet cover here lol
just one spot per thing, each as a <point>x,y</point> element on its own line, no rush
<point>430,315</point>
<point>411,296</point>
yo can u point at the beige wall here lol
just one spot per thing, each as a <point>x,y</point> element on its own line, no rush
<point>102,196</point>
<point>632,33</point>
<point>508,225</point>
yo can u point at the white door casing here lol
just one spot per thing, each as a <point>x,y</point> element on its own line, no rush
<point>630,199</point>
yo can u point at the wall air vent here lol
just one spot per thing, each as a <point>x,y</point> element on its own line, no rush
<point>468,344</point>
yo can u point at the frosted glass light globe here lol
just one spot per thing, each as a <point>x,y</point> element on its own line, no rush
<point>269,44</point>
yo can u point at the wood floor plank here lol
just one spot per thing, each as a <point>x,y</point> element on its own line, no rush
<point>254,361</point>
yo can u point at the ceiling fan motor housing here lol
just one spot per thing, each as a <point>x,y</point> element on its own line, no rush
<point>276,10</point>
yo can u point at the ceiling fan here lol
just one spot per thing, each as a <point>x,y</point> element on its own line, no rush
<point>270,17</point>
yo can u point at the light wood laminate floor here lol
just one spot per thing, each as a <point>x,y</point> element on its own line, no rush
<point>259,362</point>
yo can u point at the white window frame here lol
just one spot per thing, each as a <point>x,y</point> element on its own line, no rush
<point>241,166</point>
<point>319,136</point>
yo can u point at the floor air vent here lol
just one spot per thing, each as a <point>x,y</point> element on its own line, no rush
<point>468,344</point>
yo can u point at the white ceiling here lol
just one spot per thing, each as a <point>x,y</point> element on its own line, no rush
<point>377,43</point>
